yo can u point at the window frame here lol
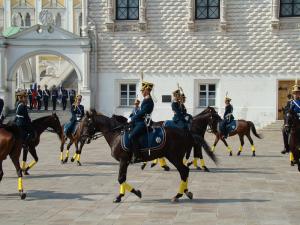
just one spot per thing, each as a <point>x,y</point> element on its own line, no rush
<point>127,94</point>
<point>293,6</point>
<point>207,8</point>
<point>127,9</point>
<point>207,98</point>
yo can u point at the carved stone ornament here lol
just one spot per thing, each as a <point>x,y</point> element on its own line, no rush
<point>46,17</point>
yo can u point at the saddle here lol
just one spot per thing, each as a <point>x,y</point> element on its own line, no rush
<point>230,127</point>
<point>70,128</point>
<point>154,140</point>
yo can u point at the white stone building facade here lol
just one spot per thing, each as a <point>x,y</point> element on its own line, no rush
<point>247,51</point>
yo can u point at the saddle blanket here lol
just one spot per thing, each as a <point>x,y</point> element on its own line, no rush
<point>230,127</point>
<point>154,140</point>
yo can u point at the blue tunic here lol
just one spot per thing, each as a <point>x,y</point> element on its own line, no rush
<point>77,114</point>
<point>23,121</point>
<point>228,113</point>
<point>295,106</point>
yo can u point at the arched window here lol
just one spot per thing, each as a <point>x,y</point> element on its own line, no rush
<point>27,20</point>
<point>58,20</point>
<point>17,20</point>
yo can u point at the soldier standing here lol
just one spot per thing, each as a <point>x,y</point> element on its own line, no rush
<point>39,97</point>
<point>46,95</point>
<point>29,93</point>
<point>54,95</point>
<point>72,94</point>
<point>64,97</point>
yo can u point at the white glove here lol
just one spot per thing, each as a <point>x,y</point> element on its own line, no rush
<point>129,120</point>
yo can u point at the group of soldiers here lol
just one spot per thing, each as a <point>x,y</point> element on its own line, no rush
<point>38,97</point>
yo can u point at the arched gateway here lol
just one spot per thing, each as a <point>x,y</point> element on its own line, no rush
<point>39,40</point>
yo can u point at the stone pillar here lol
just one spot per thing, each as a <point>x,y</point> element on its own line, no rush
<point>191,15</point>
<point>37,69</point>
<point>223,20</point>
<point>275,14</point>
<point>84,18</point>
<point>85,86</point>
<point>142,15</point>
<point>38,9</point>
<point>110,16</point>
<point>70,15</point>
<point>3,70</point>
<point>7,14</point>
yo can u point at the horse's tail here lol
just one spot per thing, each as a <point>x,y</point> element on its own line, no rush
<point>200,141</point>
<point>252,126</point>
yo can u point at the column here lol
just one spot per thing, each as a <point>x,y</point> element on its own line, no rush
<point>275,14</point>
<point>38,9</point>
<point>110,16</point>
<point>191,18</point>
<point>85,86</point>
<point>37,69</point>
<point>70,15</point>
<point>84,19</point>
<point>3,70</point>
<point>7,14</point>
<point>142,15</point>
<point>223,20</point>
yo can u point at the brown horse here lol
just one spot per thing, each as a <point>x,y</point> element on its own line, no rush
<point>11,144</point>
<point>244,128</point>
<point>294,142</point>
<point>39,126</point>
<point>177,144</point>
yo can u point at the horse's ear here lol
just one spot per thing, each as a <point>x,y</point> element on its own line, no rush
<point>87,113</point>
<point>93,112</point>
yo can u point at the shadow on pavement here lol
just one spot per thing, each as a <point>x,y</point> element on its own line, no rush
<point>208,201</point>
<point>237,170</point>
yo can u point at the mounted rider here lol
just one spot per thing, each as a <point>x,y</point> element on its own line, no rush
<point>136,108</point>
<point>285,129</point>
<point>188,118</point>
<point>141,120</point>
<point>295,104</point>
<point>22,119</point>
<point>77,111</point>
<point>228,117</point>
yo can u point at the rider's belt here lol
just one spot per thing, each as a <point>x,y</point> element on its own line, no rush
<point>19,116</point>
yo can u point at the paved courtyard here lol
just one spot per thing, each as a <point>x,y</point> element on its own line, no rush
<point>239,191</point>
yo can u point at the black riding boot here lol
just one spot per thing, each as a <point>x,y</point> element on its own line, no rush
<point>135,152</point>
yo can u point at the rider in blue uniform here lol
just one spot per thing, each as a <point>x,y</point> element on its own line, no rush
<point>228,117</point>
<point>136,108</point>
<point>22,118</point>
<point>285,130</point>
<point>139,120</point>
<point>77,111</point>
<point>188,118</point>
<point>295,104</point>
<point>178,111</point>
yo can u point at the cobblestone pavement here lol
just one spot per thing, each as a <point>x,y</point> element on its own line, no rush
<point>241,190</point>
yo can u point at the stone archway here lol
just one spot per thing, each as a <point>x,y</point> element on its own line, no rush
<point>44,40</point>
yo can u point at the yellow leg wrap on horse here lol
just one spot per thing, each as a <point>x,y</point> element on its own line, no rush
<point>162,162</point>
<point>155,161</point>
<point>127,187</point>
<point>252,148</point>
<point>78,157</point>
<point>229,149</point>
<point>33,162</point>
<point>184,161</point>
<point>74,156</point>
<point>241,148</point>
<point>122,189</point>
<point>67,154</point>
<point>182,186</point>
<point>195,162</point>
<point>61,156</point>
<point>20,184</point>
<point>23,165</point>
<point>291,157</point>
<point>213,148</point>
<point>202,163</point>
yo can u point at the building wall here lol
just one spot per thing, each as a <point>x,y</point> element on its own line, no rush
<point>246,60</point>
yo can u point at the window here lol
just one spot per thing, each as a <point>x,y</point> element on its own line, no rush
<point>27,20</point>
<point>58,20</point>
<point>289,8</point>
<point>127,9</point>
<point>207,95</point>
<point>128,94</point>
<point>207,9</point>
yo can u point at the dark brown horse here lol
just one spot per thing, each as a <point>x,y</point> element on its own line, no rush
<point>11,145</point>
<point>244,128</point>
<point>294,140</point>
<point>39,126</point>
<point>177,144</point>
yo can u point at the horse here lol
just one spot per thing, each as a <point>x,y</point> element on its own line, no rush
<point>177,143</point>
<point>39,126</point>
<point>11,144</point>
<point>243,128</point>
<point>294,142</point>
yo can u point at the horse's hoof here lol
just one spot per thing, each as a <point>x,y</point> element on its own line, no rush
<point>61,161</point>
<point>166,168</point>
<point>253,154</point>
<point>78,163</point>
<point>189,194</point>
<point>137,193</point>
<point>153,164</point>
<point>117,199</point>
<point>205,169</point>
<point>72,160</point>
<point>22,195</point>
<point>292,163</point>
<point>66,160</point>
<point>174,199</point>
<point>143,166</point>
<point>239,153</point>
<point>26,172</point>
<point>198,168</point>
<point>189,164</point>
<point>230,153</point>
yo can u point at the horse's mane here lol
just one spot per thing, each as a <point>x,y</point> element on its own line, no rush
<point>39,120</point>
<point>204,112</point>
